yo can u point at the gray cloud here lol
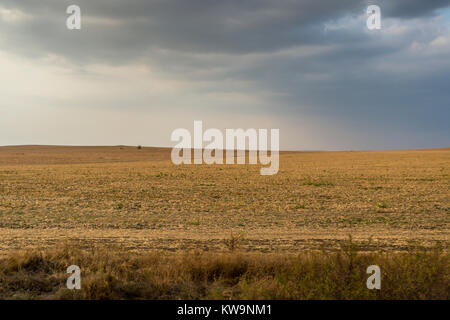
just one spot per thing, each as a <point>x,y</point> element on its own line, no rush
<point>123,30</point>
<point>410,9</point>
<point>306,57</point>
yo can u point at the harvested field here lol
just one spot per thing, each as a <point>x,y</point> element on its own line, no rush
<point>139,200</point>
<point>115,209</point>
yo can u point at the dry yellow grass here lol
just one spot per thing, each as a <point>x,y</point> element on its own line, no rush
<point>139,200</point>
<point>112,273</point>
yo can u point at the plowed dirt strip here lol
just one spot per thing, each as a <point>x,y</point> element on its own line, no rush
<point>258,240</point>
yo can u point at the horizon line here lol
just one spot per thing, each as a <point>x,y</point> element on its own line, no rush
<point>281,150</point>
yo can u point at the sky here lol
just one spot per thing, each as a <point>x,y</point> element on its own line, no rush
<point>139,69</point>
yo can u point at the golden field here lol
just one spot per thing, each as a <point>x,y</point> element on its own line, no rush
<point>137,202</point>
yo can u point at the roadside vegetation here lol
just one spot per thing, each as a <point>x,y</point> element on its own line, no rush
<point>111,273</point>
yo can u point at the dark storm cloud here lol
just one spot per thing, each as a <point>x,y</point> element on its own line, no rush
<point>409,8</point>
<point>311,57</point>
<point>192,26</point>
<point>219,26</point>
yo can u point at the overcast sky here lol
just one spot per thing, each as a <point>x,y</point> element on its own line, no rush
<point>139,69</point>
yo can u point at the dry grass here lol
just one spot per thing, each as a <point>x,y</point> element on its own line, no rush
<point>114,274</point>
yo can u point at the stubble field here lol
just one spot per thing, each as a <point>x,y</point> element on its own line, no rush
<point>136,201</point>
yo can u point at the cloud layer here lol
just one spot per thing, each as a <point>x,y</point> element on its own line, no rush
<point>311,68</point>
